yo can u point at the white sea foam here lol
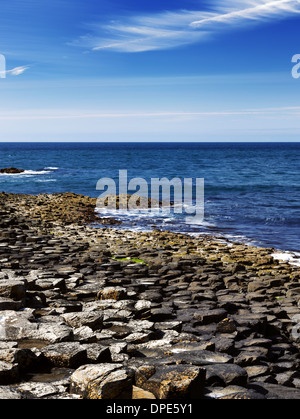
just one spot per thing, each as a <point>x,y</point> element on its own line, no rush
<point>35,172</point>
<point>138,213</point>
<point>229,239</point>
<point>44,171</point>
<point>27,173</point>
<point>45,180</point>
<point>142,218</point>
<point>202,223</point>
<point>163,216</point>
<point>289,257</point>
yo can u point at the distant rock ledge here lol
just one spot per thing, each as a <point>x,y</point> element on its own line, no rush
<point>11,170</point>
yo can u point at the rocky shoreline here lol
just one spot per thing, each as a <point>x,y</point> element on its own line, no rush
<point>90,313</point>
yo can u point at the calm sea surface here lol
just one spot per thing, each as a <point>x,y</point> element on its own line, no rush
<point>252,191</point>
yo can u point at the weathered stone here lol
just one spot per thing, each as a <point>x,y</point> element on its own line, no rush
<point>97,353</point>
<point>285,378</point>
<point>10,304</point>
<point>12,171</point>
<point>172,382</point>
<point>111,315</point>
<point>84,334</point>
<point>275,391</point>
<point>255,322</point>
<point>248,358</point>
<point>226,326</point>
<point>94,320</point>
<point>40,390</point>
<point>9,373</point>
<point>256,371</point>
<point>140,325</point>
<point>210,316</point>
<point>112,293</point>
<point>139,393</point>
<point>161,314</point>
<point>193,303</point>
<point>232,392</point>
<point>10,393</point>
<point>294,292</point>
<point>194,356</point>
<point>169,325</point>
<point>224,344</point>
<point>142,305</point>
<point>53,333</point>
<point>66,306</point>
<point>12,288</point>
<point>254,286</point>
<point>256,342</point>
<point>16,325</point>
<point>24,358</point>
<point>138,337</point>
<point>226,374</point>
<point>67,355</point>
<point>102,381</point>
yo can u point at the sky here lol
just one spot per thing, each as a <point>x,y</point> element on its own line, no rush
<point>167,70</point>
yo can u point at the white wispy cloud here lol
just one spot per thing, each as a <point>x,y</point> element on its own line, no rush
<point>145,33</point>
<point>170,29</point>
<point>17,71</point>
<point>253,11</point>
<point>283,112</point>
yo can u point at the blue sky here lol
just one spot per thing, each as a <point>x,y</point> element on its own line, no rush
<point>165,70</point>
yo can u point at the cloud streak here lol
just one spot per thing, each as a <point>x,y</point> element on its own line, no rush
<point>286,111</point>
<point>146,33</point>
<point>17,71</point>
<point>256,11</point>
<point>171,29</point>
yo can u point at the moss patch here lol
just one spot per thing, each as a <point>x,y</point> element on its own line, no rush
<point>134,260</point>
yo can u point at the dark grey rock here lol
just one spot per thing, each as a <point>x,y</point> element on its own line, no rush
<point>226,374</point>
<point>9,373</point>
<point>13,288</point>
<point>10,304</point>
<point>171,382</point>
<point>275,391</point>
<point>232,393</point>
<point>210,316</point>
<point>102,381</point>
<point>97,353</point>
<point>94,320</point>
<point>161,314</point>
<point>40,390</point>
<point>226,326</point>
<point>66,354</point>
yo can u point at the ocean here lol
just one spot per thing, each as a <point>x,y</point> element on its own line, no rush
<point>252,190</point>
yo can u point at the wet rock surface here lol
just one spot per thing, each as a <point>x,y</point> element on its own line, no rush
<point>105,313</point>
<point>11,170</point>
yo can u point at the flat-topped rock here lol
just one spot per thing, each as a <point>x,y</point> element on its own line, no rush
<point>172,382</point>
<point>102,381</point>
<point>11,170</point>
<point>186,313</point>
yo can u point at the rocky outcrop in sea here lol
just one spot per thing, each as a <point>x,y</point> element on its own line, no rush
<point>101,313</point>
<point>11,171</point>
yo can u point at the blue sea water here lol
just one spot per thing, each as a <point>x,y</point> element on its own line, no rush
<point>252,190</point>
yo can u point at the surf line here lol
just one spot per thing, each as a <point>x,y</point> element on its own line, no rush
<point>188,195</point>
